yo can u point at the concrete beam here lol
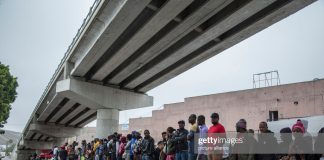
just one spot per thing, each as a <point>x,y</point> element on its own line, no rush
<point>100,97</point>
<point>213,32</point>
<point>68,66</point>
<point>64,109</point>
<point>263,23</point>
<point>84,116</point>
<point>50,107</point>
<point>87,121</point>
<point>114,19</point>
<point>54,130</point>
<point>168,12</point>
<point>187,25</point>
<point>73,113</point>
<point>36,144</point>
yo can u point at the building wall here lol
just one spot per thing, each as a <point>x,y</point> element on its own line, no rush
<point>291,101</point>
<point>87,133</point>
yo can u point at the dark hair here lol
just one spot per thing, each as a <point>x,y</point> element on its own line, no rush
<point>285,130</point>
<point>181,122</point>
<point>214,115</point>
<point>129,136</point>
<point>201,118</point>
<point>170,129</point>
<point>147,131</point>
<point>251,131</point>
<point>193,116</point>
<point>321,130</point>
<point>243,121</point>
<point>264,123</point>
<point>163,133</point>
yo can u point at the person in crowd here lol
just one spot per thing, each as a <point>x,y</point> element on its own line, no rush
<point>180,139</point>
<point>308,139</point>
<point>34,157</point>
<point>89,153</point>
<point>109,142</point>
<point>92,143</point>
<point>170,149</point>
<point>66,145</point>
<point>80,154</point>
<point>191,137</point>
<point>319,145</point>
<point>112,147</point>
<point>164,137</point>
<point>102,147</point>
<point>147,146</point>
<point>128,147</point>
<point>133,141</point>
<point>105,148</point>
<point>216,128</point>
<point>286,140</point>
<point>203,131</point>
<point>83,146</point>
<point>137,149</point>
<point>55,153</point>
<point>245,150</point>
<point>118,136</point>
<point>164,140</point>
<point>71,153</point>
<point>267,143</point>
<point>95,146</point>
<point>300,148</point>
<point>158,150</point>
<point>63,155</point>
<point>121,149</point>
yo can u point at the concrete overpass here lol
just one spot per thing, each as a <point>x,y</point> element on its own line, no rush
<point>125,48</point>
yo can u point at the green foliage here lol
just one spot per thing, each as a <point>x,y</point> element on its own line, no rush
<point>8,85</point>
<point>9,147</point>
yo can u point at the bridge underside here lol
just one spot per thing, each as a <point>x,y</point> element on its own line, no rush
<point>140,44</point>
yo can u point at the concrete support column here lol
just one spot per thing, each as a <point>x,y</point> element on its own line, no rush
<point>107,122</point>
<point>59,141</point>
<point>23,154</point>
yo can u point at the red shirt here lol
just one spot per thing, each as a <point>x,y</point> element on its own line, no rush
<point>218,128</point>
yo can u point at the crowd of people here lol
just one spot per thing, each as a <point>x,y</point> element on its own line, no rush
<point>179,144</point>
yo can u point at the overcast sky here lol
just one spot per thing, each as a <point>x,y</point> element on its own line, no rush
<point>35,34</point>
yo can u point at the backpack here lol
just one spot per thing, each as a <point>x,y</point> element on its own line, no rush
<point>137,147</point>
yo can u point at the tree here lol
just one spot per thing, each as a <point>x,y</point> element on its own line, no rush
<point>8,85</point>
<point>9,147</point>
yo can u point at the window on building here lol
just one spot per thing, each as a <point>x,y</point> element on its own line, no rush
<point>273,116</point>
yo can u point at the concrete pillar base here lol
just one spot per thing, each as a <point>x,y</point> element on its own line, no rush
<point>24,154</point>
<point>59,141</point>
<point>107,122</point>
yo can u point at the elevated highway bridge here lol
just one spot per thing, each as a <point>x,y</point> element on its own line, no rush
<point>125,48</point>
